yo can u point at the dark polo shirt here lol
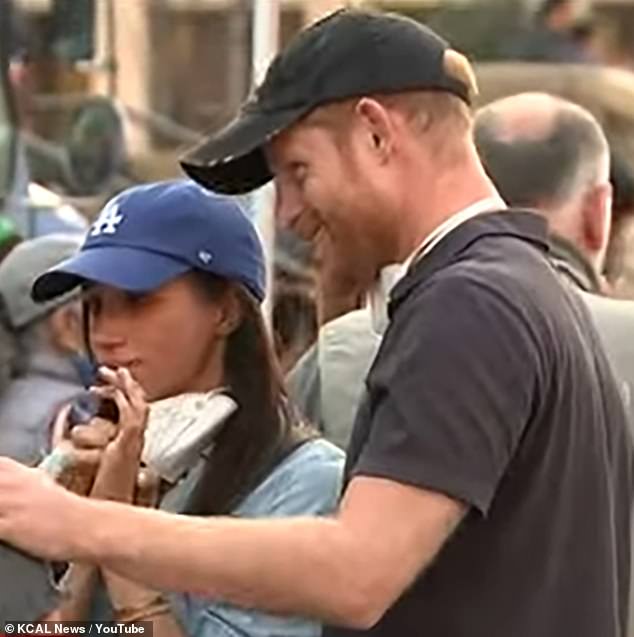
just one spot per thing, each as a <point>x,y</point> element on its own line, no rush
<point>491,386</point>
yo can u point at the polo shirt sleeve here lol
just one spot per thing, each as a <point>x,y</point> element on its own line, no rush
<point>452,391</point>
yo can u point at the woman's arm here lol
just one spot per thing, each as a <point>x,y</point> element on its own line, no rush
<point>78,587</point>
<point>119,478</point>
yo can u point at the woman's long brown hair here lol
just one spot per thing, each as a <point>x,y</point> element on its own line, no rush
<point>264,424</point>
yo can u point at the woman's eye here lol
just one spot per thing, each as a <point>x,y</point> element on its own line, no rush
<point>136,298</point>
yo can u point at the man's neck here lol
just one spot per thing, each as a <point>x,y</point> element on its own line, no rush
<point>431,203</point>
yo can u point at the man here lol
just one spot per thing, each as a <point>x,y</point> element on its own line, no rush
<point>547,153</point>
<point>46,341</point>
<point>492,425</point>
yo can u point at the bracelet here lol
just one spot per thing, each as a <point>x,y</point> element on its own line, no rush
<point>158,606</point>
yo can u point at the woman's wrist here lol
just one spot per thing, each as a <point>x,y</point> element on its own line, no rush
<point>144,612</point>
<point>129,598</point>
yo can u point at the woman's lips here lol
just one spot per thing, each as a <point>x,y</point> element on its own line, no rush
<point>116,364</point>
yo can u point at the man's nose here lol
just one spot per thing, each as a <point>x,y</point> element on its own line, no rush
<point>288,205</point>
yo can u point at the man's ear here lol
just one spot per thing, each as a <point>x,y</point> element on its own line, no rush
<point>378,125</point>
<point>229,312</point>
<point>597,217</point>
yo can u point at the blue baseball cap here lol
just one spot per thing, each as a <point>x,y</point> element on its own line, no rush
<point>150,234</point>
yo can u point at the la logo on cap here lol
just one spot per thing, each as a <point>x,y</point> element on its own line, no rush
<point>205,257</point>
<point>107,221</point>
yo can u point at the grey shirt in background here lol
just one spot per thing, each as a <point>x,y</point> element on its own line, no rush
<point>327,383</point>
<point>27,591</point>
<point>29,405</point>
<point>27,408</point>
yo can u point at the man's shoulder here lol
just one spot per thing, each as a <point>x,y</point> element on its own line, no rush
<point>492,284</point>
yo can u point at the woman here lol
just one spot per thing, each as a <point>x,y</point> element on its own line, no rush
<point>174,276</point>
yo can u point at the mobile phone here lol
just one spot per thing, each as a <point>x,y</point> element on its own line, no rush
<point>89,405</point>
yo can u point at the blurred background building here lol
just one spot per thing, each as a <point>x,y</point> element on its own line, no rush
<point>173,68</point>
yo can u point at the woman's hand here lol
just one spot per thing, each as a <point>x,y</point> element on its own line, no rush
<point>99,457</point>
<point>119,467</point>
<point>119,475</point>
<point>40,516</point>
<point>77,452</point>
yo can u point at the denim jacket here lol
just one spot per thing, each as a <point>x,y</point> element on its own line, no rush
<point>308,482</point>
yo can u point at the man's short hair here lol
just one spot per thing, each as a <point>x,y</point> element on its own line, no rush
<point>533,166</point>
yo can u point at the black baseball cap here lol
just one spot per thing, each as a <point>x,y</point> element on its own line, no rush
<point>350,53</point>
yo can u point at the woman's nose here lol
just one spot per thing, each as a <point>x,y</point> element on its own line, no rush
<point>106,331</point>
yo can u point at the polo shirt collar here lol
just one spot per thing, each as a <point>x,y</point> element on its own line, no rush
<point>524,225</point>
<point>378,296</point>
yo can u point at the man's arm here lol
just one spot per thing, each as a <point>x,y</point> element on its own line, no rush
<point>346,570</point>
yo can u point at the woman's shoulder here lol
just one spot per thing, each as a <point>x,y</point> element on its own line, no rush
<point>306,482</point>
<point>317,451</point>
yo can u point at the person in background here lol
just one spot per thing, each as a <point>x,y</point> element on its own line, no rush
<point>328,381</point>
<point>621,245</point>
<point>554,36</point>
<point>294,304</point>
<point>492,423</point>
<point>548,154</point>
<point>9,236</point>
<point>623,286</point>
<point>45,366</point>
<point>27,588</point>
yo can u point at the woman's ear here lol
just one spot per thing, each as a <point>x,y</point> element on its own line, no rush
<point>229,313</point>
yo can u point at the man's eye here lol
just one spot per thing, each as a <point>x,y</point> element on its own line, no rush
<point>299,171</point>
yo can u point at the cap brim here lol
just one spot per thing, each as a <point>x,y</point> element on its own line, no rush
<point>121,267</point>
<point>232,161</point>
